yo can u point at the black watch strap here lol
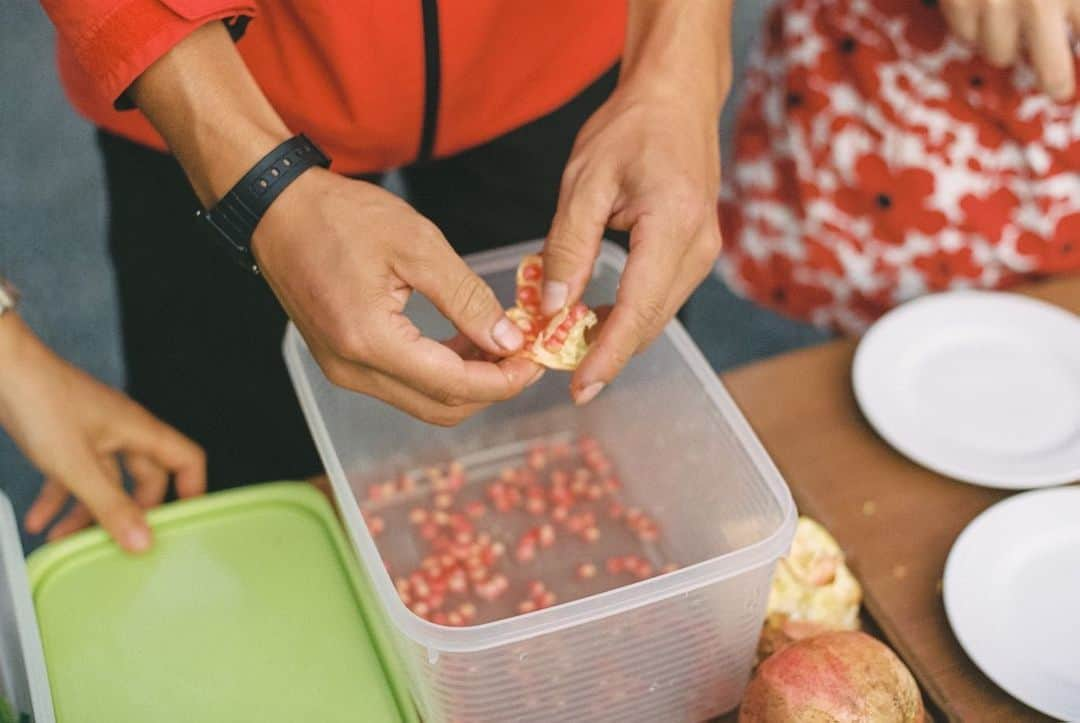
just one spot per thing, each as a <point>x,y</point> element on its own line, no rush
<point>234,218</point>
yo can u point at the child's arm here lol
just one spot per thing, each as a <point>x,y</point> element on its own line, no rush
<point>76,431</point>
<point>1004,29</point>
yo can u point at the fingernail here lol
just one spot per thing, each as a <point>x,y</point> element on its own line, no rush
<point>507,335</point>
<point>137,539</point>
<point>535,377</point>
<point>589,393</point>
<point>555,295</point>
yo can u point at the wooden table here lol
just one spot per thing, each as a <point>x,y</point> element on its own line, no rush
<point>896,520</point>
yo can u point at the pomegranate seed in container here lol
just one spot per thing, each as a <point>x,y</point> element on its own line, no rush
<point>536,588</point>
<point>547,599</point>
<point>376,525</point>
<point>418,515</point>
<point>439,618</point>
<point>444,500</point>
<point>467,611</point>
<point>586,571</point>
<point>614,565</point>
<point>560,513</point>
<point>429,531</point>
<point>546,536</point>
<point>421,608</point>
<point>475,509</point>
<point>526,606</point>
<point>590,534</point>
<point>454,619</point>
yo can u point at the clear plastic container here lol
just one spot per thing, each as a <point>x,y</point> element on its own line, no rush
<point>678,646</point>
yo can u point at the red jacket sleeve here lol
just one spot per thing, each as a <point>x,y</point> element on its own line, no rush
<point>114,41</point>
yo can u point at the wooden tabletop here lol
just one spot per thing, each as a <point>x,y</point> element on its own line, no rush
<point>896,520</point>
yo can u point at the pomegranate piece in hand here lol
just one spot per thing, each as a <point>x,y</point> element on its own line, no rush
<point>557,342</point>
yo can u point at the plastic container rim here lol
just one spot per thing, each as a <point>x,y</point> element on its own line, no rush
<point>494,634</point>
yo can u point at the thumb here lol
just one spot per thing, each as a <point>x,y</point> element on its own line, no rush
<point>463,298</point>
<point>89,480</point>
<point>573,243</point>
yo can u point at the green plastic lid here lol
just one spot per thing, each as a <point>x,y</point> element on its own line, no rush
<point>250,607</point>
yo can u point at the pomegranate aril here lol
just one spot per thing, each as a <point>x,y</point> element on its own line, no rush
<point>560,513</point>
<point>429,531</point>
<point>526,606</point>
<point>376,525</point>
<point>444,501</point>
<point>547,599</point>
<point>525,552</point>
<point>418,515</point>
<point>439,618</point>
<point>467,611</point>
<point>546,536</point>
<point>454,619</point>
<point>475,509</point>
<point>586,571</point>
<point>536,459</point>
<point>536,588</point>
<point>614,565</point>
<point>421,608</point>
<point>590,534</point>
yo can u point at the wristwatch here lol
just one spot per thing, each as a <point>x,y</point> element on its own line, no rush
<point>234,218</point>
<point>9,296</point>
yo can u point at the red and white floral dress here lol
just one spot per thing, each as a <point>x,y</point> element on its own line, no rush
<point>878,158</point>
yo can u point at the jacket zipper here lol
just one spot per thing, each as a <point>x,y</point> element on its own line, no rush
<point>432,78</point>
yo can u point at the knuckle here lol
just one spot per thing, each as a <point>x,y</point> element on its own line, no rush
<point>687,206</point>
<point>443,416</point>
<point>706,250</point>
<point>337,373</point>
<point>473,300</point>
<point>452,395</point>
<point>647,314</point>
<point>350,342</point>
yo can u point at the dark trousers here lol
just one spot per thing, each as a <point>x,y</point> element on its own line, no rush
<point>202,339</point>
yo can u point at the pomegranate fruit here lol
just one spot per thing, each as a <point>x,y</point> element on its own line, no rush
<point>835,677</point>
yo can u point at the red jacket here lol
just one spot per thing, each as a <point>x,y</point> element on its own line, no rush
<point>352,73</point>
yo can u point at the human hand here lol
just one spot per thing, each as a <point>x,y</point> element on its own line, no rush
<point>78,432</point>
<point>1003,29</point>
<point>647,162</point>
<point>343,256</point>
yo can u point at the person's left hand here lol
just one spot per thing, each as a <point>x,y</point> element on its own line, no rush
<point>78,432</point>
<point>647,163</point>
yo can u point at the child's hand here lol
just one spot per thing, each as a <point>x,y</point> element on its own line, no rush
<point>77,431</point>
<point>1002,29</point>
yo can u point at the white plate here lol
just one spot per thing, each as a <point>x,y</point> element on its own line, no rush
<point>980,386</point>
<point>1012,594</point>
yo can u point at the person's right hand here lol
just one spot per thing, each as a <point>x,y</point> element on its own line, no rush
<point>343,256</point>
<point>1003,29</point>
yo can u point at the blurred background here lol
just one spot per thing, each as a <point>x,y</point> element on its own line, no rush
<point>53,228</point>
